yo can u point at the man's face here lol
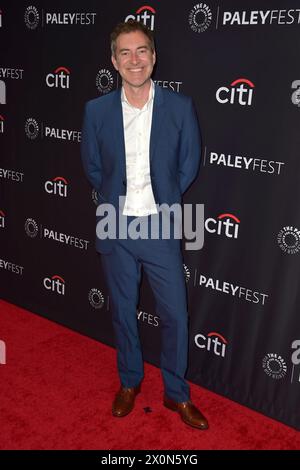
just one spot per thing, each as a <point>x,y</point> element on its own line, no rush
<point>134,58</point>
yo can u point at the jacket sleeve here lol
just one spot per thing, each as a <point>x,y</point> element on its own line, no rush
<point>90,150</point>
<point>190,148</point>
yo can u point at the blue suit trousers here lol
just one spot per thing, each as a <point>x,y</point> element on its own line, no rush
<point>162,263</point>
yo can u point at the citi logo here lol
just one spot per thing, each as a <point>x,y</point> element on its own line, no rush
<point>2,92</point>
<point>2,219</point>
<point>213,342</point>
<point>1,124</point>
<point>241,92</point>
<point>145,14</point>
<point>57,186</point>
<point>55,284</point>
<point>225,224</point>
<point>60,78</point>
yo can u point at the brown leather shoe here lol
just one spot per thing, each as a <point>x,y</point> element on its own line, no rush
<point>188,412</point>
<point>124,401</point>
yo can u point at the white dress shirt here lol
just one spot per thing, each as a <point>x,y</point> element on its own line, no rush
<point>139,199</point>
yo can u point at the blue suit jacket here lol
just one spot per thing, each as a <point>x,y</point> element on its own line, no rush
<point>175,148</point>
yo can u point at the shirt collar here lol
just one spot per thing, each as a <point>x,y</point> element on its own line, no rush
<point>150,98</point>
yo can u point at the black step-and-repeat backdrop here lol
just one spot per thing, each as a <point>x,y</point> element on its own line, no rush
<point>240,63</point>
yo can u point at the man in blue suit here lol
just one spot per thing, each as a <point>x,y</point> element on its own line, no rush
<point>142,142</point>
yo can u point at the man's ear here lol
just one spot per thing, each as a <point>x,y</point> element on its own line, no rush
<point>154,58</point>
<point>114,62</point>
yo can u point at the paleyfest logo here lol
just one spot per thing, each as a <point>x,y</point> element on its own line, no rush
<point>104,81</point>
<point>96,298</point>
<point>289,240</point>
<point>274,366</point>
<point>200,18</point>
<point>31,128</point>
<point>31,17</point>
<point>31,228</point>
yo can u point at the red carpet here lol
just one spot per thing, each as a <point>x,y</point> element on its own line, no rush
<point>56,393</point>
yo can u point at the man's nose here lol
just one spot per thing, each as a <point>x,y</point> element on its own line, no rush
<point>134,57</point>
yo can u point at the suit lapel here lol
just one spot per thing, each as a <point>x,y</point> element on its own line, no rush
<point>118,136</point>
<point>157,119</point>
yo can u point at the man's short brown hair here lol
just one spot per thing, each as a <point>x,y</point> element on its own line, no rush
<point>129,27</point>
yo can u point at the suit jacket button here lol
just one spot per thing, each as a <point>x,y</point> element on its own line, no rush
<point>124,182</point>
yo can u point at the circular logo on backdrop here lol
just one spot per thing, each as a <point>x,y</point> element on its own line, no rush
<point>31,17</point>
<point>104,81</point>
<point>31,228</point>
<point>31,128</point>
<point>274,366</point>
<point>200,17</point>
<point>187,273</point>
<point>289,240</point>
<point>96,298</point>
